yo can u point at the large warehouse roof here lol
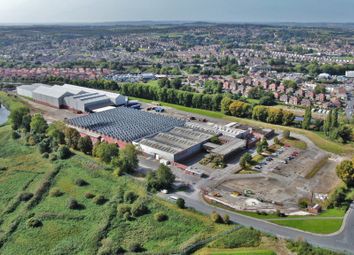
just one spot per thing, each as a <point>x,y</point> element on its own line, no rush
<point>230,147</point>
<point>126,124</point>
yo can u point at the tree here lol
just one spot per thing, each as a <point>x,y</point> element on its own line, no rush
<point>307,118</point>
<point>260,113</point>
<point>328,123</point>
<point>267,100</point>
<point>85,145</point>
<point>345,172</point>
<point>56,132</point>
<point>181,203</point>
<point>245,159</point>
<point>334,123</point>
<point>105,151</point>
<point>288,118</point>
<point>38,124</point>
<point>63,152</point>
<point>16,117</point>
<point>72,137</point>
<point>345,133</point>
<point>165,176</point>
<point>276,140</point>
<point>240,109</point>
<point>127,161</point>
<point>45,145</point>
<point>225,105</point>
<point>216,218</point>
<point>286,134</point>
<point>26,122</point>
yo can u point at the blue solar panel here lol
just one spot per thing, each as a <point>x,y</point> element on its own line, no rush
<point>126,124</point>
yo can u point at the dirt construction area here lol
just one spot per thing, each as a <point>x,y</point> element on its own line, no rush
<point>283,178</point>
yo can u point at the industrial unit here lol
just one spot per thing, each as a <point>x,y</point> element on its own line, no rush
<point>71,97</point>
<point>123,125</point>
<point>177,144</point>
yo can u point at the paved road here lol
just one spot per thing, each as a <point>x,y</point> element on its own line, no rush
<point>343,241</point>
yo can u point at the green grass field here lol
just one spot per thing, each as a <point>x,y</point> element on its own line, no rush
<point>67,231</point>
<point>316,138</point>
<point>238,251</point>
<point>319,226</point>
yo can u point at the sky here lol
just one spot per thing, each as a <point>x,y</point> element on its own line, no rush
<point>92,11</point>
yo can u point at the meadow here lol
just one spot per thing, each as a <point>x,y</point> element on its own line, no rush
<point>93,226</point>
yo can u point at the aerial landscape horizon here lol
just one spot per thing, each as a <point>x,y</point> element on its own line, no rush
<point>177,127</point>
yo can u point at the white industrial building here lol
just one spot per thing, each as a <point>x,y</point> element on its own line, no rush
<point>71,97</point>
<point>27,90</point>
<point>176,144</point>
<point>349,74</point>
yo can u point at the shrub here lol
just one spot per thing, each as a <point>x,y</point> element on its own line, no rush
<point>15,135</point>
<point>45,155</point>
<point>56,193</point>
<point>181,203</point>
<point>130,197</point>
<point>226,219</point>
<point>160,216</point>
<point>73,204</point>
<point>135,247</point>
<point>81,182</point>
<point>216,218</point>
<point>63,152</point>
<point>34,223</point>
<point>99,200</point>
<point>89,195</point>
<point>26,196</point>
<point>303,203</point>
<point>53,157</point>
<point>139,208</point>
<point>123,208</point>
<point>286,134</point>
<point>244,237</point>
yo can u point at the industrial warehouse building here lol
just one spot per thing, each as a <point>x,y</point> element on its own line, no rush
<point>71,97</point>
<point>177,144</point>
<point>123,125</point>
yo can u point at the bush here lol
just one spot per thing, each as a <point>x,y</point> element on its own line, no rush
<point>160,216</point>
<point>56,193</point>
<point>26,196</point>
<point>122,209</point>
<point>15,135</point>
<point>286,134</point>
<point>226,219</point>
<point>181,203</point>
<point>53,157</point>
<point>45,155</point>
<point>244,237</point>
<point>89,195</point>
<point>63,152</point>
<point>216,218</point>
<point>303,203</point>
<point>135,247</point>
<point>73,204</point>
<point>34,223</point>
<point>99,200</point>
<point>139,208</point>
<point>81,182</point>
<point>130,197</point>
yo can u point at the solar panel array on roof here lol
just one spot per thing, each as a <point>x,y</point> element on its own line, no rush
<point>126,124</point>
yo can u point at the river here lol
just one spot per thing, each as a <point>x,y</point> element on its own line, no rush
<point>4,114</point>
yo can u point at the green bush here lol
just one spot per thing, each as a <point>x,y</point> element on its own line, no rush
<point>135,247</point>
<point>181,203</point>
<point>99,200</point>
<point>160,216</point>
<point>130,197</point>
<point>63,152</point>
<point>216,218</point>
<point>34,223</point>
<point>139,208</point>
<point>124,208</point>
<point>244,237</point>
<point>81,182</point>
<point>15,135</point>
<point>45,155</point>
<point>89,195</point>
<point>55,193</point>
<point>73,204</point>
<point>26,196</point>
